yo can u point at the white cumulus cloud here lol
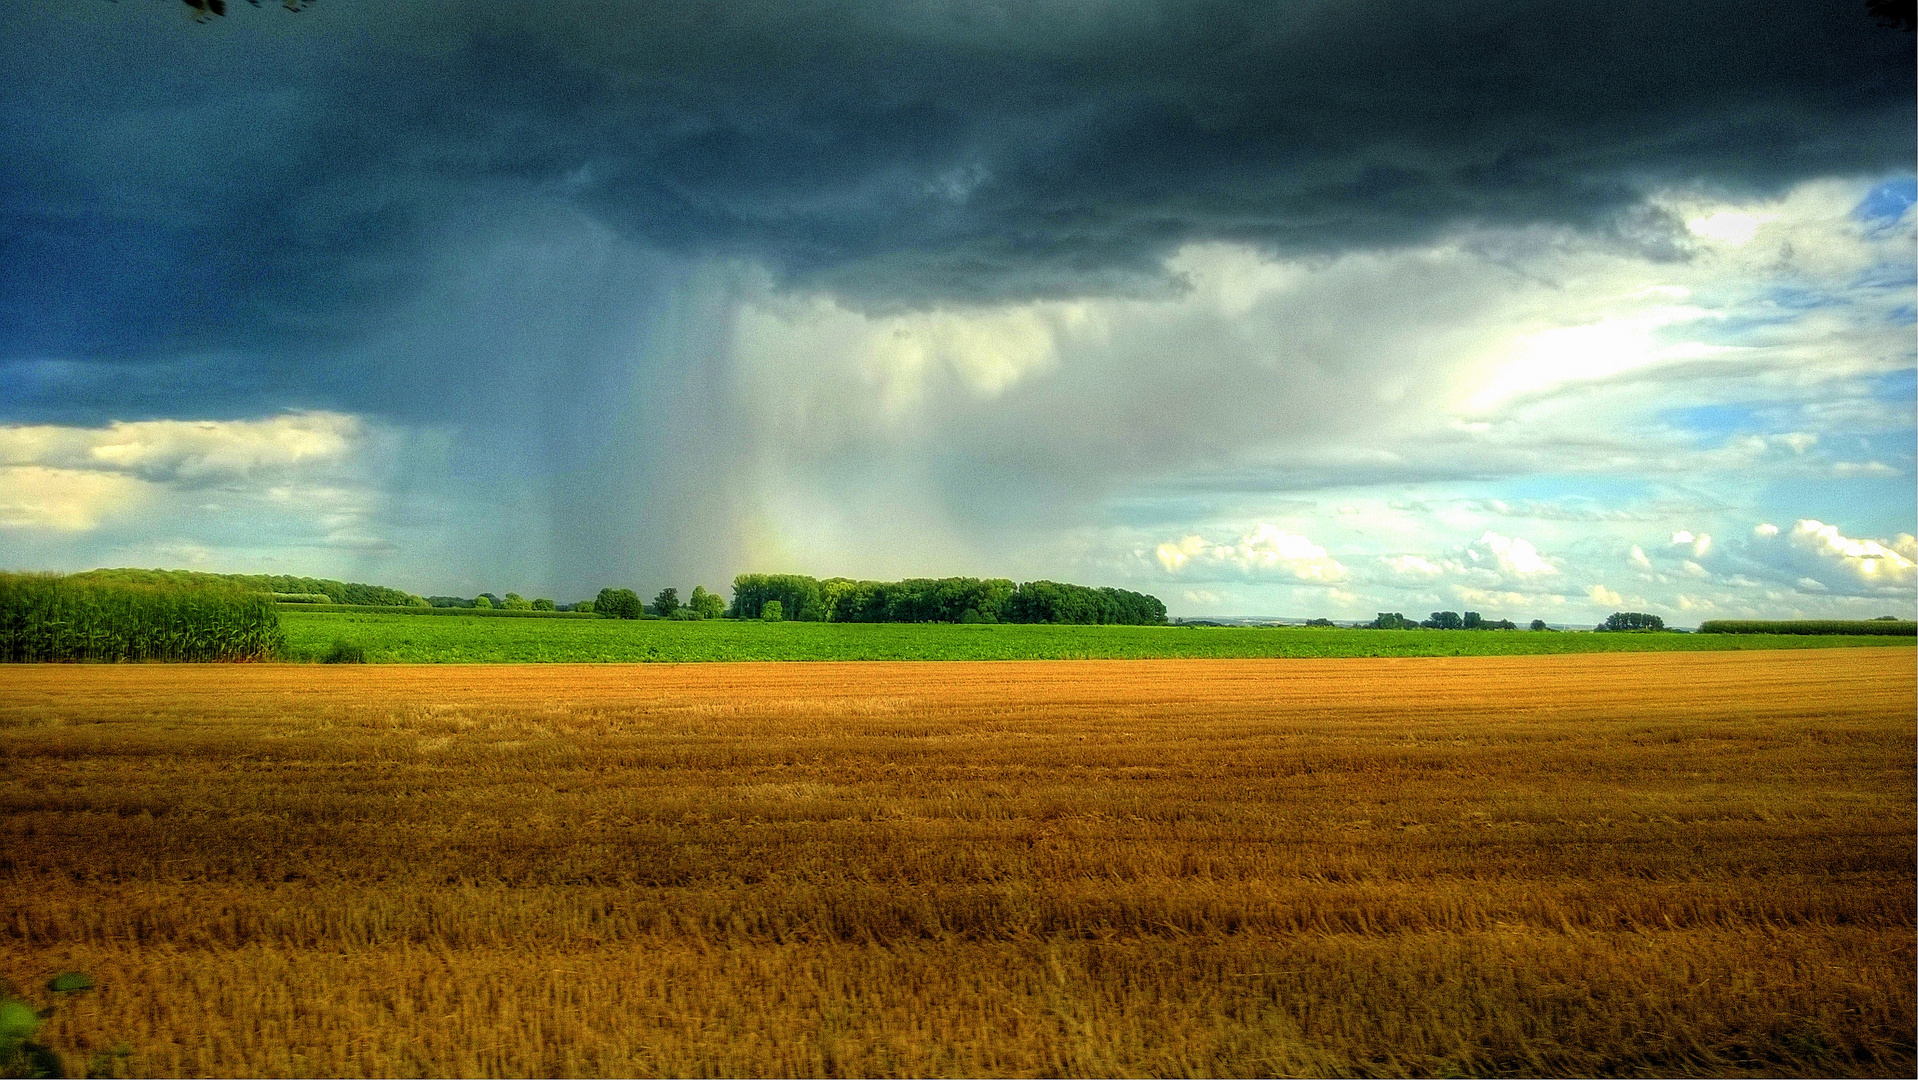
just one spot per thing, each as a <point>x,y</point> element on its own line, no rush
<point>1515,555</point>
<point>187,451</point>
<point>1175,554</point>
<point>1266,550</point>
<point>1412,566</point>
<point>63,500</point>
<point>1865,562</point>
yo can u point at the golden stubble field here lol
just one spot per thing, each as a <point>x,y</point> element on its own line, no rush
<point>1599,864</point>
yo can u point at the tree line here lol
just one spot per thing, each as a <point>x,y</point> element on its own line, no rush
<point>1445,620</point>
<point>512,601</point>
<point>335,592</point>
<point>1472,620</point>
<point>948,600</point>
<point>626,604</point>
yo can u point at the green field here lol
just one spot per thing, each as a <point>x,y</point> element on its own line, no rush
<point>402,639</point>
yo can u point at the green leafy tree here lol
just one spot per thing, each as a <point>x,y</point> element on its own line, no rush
<point>543,604</point>
<point>617,604</point>
<point>516,602</point>
<point>666,603</point>
<point>1539,624</point>
<point>709,605</point>
<point>482,602</point>
<point>1632,620</point>
<point>1444,620</point>
<point>772,611</point>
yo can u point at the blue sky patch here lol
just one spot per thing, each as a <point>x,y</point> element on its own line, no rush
<point>1888,201</point>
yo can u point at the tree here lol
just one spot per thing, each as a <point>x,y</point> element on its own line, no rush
<point>1444,620</point>
<point>772,611</point>
<point>1539,624</point>
<point>584,607</point>
<point>666,603</point>
<point>709,605</point>
<point>1632,620</point>
<point>617,604</point>
<point>1392,620</point>
<point>543,604</point>
<point>516,602</point>
<point>1473,620</point>
<point>482,602</point>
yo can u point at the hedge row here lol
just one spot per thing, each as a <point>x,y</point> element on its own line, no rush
<point>462,613</point>
<point>1889,627</point>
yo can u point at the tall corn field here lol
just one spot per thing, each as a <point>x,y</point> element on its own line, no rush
<point>49,617</point>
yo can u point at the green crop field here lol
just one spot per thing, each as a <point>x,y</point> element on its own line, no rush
<point>391,638</point>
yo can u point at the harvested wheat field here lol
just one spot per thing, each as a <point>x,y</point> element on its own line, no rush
<point>1585,864</point>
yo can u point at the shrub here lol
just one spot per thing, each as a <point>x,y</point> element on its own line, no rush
<point>344,652</point>
<point>46,617</point>
<point>685,614</point>
<point>772,611</point>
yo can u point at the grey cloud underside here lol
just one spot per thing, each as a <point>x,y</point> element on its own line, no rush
<point>278,191</point>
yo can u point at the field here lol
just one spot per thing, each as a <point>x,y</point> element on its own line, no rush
<point>1615,864</point>
<point>406,639</point>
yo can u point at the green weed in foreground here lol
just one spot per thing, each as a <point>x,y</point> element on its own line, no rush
<point>399,639</point>
<point>23,1054</point>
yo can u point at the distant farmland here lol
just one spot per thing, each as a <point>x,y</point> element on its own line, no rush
<point>1587,865</point>
<point>412,639</point>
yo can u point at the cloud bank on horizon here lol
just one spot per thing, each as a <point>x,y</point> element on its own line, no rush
<point>1317,309</point>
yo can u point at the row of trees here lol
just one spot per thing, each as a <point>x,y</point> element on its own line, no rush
<point>625,604</point>
<point>1472,620</point>
<point>336,592</point>
<point>1446,620</point>
<point>512,601</point>
<point>950,600</point>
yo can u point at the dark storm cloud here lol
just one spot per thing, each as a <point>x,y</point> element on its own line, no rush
<point>274,188</point>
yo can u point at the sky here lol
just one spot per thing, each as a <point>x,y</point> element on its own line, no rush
<point>1542,310</point>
